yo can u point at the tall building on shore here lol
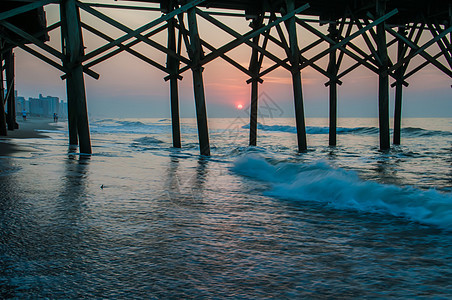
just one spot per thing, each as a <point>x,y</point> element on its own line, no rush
<point>42,106</point>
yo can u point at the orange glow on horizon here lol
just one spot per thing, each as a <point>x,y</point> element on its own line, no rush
<point>239,106</point>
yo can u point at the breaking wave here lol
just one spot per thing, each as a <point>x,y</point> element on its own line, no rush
<point>124,126</point>
<point>147,143</point>
<point>342,189</point>
<point>147,140</point>
<point>415,132</point>
<point>408,131</point>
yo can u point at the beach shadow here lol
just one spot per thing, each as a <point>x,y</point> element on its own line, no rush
<point>76,175</point>
<point>385,166</point>
<point>185,189</point>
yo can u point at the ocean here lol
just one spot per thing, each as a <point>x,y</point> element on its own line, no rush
<point>142,220</point>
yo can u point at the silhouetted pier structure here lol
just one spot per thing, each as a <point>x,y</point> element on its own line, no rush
<point>379,24</point>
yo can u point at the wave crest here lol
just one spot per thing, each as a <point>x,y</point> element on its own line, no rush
<point>408,131</point>
<point>147,140</point>
<point>343,189</point>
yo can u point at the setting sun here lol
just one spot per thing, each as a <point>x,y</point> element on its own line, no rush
<point>239,106</point>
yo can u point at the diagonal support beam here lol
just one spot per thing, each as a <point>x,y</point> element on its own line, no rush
<point>349,38</point>
<point>420,67</point>
<point>443,43</point>
<point>32,39</point>
<point>226,58</point>
<point>125,48</point>
<point>128,45</point>
<point>420,50</point>
<point>366,60</point>
<point>404,67</point>
<point>126,29</point>
<point>283,45</point>
<point>184,31</point>
<point>240,39</point>
<point>43,46</point>
<point>347,33</point>
<point>143,28</point>
<point>369,44</point>
<point>35,53</point>
<point>25,8</point>
<point>405,48</point>
<point>280,44</point>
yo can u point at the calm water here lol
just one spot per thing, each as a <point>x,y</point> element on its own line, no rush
<point>142,220</point>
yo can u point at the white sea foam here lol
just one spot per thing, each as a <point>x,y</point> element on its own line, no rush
<point>343,189</point>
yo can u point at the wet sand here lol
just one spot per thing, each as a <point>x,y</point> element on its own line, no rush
<point>27,129</point>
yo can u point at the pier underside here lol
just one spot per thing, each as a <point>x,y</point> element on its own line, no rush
<point>336,25</point>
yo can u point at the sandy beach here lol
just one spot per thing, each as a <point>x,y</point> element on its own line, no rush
<point>27,129</point>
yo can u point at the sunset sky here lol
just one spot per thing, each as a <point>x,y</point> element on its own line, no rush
<point>130,88</point>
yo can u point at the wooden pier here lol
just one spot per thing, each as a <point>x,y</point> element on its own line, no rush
<point>379,24</point>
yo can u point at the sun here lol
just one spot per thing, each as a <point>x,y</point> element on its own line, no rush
<point>239,106</point>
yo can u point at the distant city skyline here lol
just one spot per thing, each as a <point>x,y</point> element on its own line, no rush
<point>43,106</point>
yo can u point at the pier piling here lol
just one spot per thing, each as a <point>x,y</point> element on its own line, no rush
<point>383,78</point>
<point>173,66</point>
<point>10,94</point>
<point>3,128</point>
<point>401,50</point>
<point>296,78</point>
<point>332,71</point>
<point>71,105</point>
<point>254,69</point>
<point>72,43</point>
<point>198,84</point>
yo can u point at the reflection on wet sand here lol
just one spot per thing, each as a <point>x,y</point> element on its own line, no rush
<point>185,187</point>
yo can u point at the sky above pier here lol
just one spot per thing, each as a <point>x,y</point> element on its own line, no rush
<point>130,88</point>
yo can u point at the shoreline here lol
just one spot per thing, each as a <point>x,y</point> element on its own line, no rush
<point>27,130</point>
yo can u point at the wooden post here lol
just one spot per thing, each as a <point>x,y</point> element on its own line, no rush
<point>332,71</point>
<point>198,84</point>
<point>296,79</point>
<point>3,129</point>
<point>71,116</point>
<point>254,68</point>
<point>253,112</point>
<point>173,66</point>
<point>450,25</point>
<point>71,104</point>
<point>73,50</point>
<point>383,79</point>
<point>10,96</point>
<point>398,92</point>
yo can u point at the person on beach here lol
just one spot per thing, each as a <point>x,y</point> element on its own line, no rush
<point>24,115</point>
<point>55,117</point>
